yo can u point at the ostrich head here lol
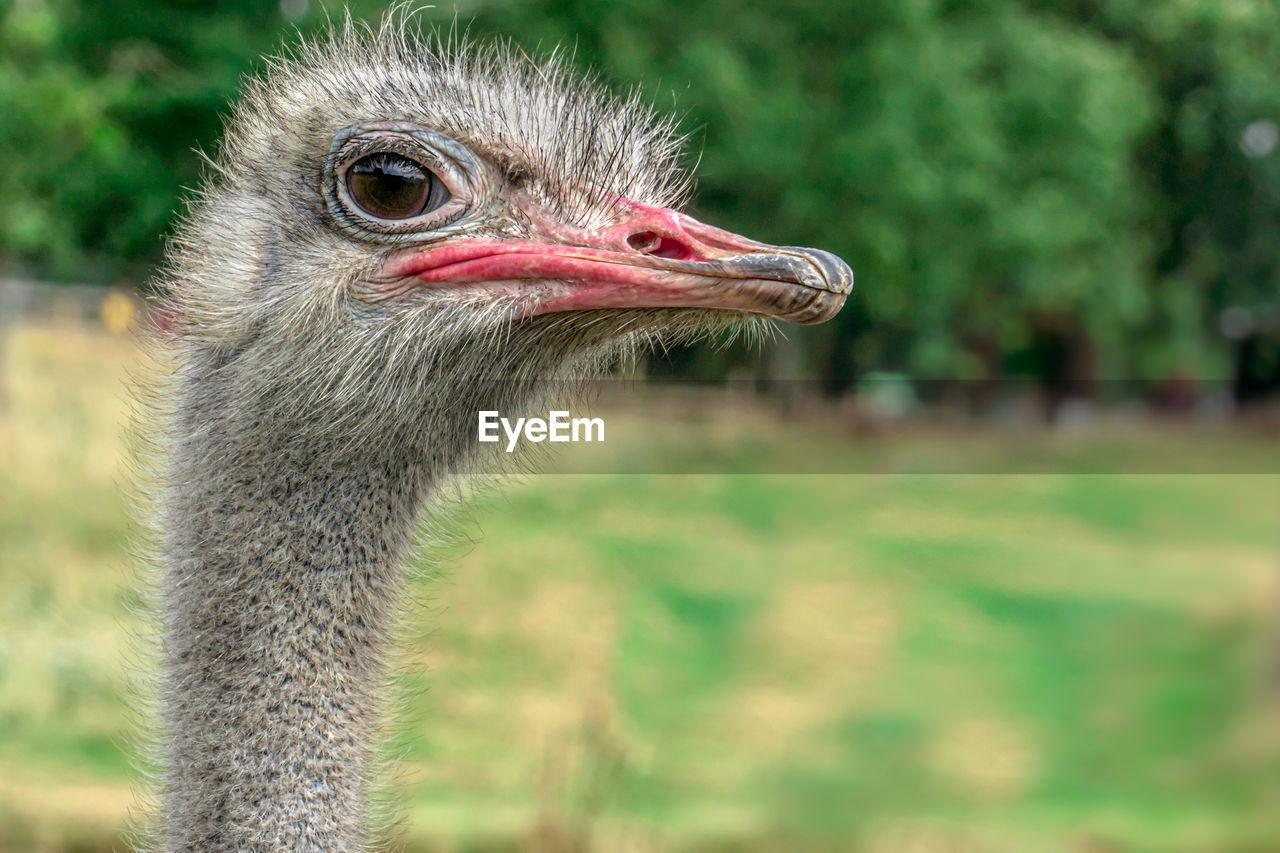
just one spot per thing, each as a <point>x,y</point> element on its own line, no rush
<point>395,235</point>
<point>388,214</point>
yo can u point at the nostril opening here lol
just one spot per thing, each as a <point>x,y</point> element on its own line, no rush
<point>644,241</point>
<point>658,245</point>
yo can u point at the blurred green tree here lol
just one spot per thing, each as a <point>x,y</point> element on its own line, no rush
<point>1211,163</point>
<point>102,107</point>
<point>1086,188</point>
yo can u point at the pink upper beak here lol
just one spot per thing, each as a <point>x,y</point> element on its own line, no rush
<point>655,258</point>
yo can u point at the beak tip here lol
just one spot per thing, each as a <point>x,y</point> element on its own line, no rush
<point>833,273</point>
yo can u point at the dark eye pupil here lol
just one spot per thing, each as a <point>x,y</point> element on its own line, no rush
<point>390,186</point>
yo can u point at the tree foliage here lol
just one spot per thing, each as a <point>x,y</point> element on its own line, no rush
<point>1023,187</point>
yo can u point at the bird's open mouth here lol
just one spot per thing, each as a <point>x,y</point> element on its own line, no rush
<point>656,258</point>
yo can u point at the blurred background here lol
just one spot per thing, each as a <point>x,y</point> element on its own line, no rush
<point>1033,604</point>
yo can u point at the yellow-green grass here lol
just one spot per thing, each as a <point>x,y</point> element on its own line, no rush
<point>886,662</point>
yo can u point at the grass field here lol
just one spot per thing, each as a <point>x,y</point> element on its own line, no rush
<point>880,662</point>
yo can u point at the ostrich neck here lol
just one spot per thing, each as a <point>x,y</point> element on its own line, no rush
<point>281,579</point>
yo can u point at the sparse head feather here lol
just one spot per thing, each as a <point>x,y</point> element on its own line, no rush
<point>564,138</point>
<point>544,124</point>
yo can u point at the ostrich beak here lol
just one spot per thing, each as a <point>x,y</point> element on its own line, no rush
<point>654,258</point>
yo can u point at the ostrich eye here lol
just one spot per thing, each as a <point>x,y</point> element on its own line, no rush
<point>391,186</point>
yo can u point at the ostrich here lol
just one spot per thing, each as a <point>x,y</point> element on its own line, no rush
<point>397,231</point>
